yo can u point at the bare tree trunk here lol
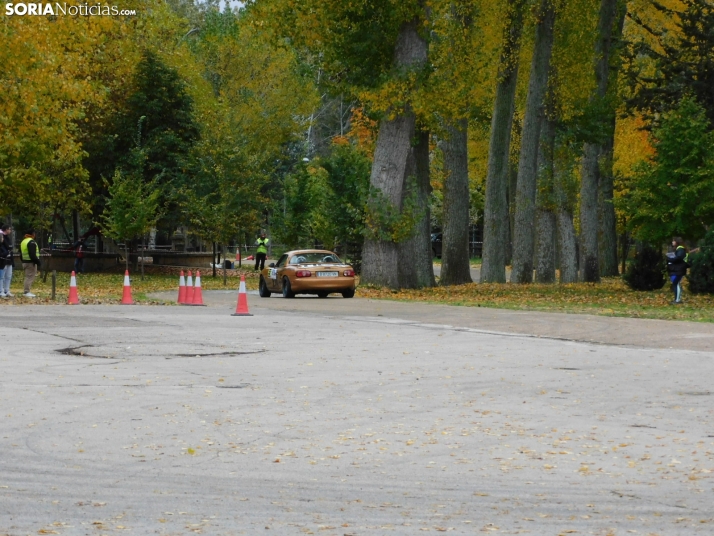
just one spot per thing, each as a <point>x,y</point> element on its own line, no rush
<point>416,265</point>
<point>455,262</point>
<point>594,156</point>
<point>608,220</point>
<point>380,256</point>
<point>523,243</point>
<point>567,248</point>
<point>512,182</point>
<point>143,253</point>
<point>545,216</point>
<point>545,246</point>
<point>225,273</point>
<point>589,247</point>
<point>496,233</point>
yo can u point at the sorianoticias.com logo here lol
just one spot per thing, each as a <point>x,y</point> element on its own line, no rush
<point>47,8</point>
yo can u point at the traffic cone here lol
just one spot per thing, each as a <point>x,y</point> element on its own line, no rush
<point>182,289</point>
<point>242,308</point>
<point>189,289</point>
<point>197,294</point>
<point>126,297</point>
<point>73,298</point>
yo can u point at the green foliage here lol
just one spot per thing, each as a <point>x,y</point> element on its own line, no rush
<point>701,274</point>
<point>325,201</point>
<point>673,194</point>
<point>646,272</point>
<point>385,221</point>
<point>680,64</point>
<point>305,198</point>
<point>132,207</point>
<point>348,171</point>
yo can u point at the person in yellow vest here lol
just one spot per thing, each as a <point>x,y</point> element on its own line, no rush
<point>262,251</point>
<point>30,257</point>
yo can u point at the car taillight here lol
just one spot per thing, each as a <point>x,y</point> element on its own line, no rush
<point>349,273</point>
<point>303,273</point>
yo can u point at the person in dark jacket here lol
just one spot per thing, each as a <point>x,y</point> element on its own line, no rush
<point>30,257</point>
<point>677,264</point>
<point>3,260</point>
<point>9,262</point>
<point>79,255</point>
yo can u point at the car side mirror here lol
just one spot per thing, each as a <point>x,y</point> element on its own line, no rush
<point>271,265</point>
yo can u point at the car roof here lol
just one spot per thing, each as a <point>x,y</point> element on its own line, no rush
<point>297,251</point>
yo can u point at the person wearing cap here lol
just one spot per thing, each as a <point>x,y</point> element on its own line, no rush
<point>30,258</point>
<point>262,251</point>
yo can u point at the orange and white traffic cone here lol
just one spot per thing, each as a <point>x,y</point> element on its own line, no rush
<point>126,297</point>
<point>182,289</point>
<point>189,289</point>
<point>242,308</point>
<point>73,298</point>
<point>197,294</point>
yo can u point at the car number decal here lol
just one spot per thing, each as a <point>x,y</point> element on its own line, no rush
<point>273,273</point>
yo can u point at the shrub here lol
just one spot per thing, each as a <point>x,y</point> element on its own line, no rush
<point>701,275</point>
<point>646,272</point>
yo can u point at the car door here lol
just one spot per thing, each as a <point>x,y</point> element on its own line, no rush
<point>276,280</point>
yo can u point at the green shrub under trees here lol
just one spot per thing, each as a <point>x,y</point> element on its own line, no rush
<point>701,275</point>
<point>646,272</point>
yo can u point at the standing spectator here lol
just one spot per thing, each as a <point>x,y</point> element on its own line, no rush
<point>677,264</point>
<point>79,255</point>
<point>30,258</point>
<point>3,261</point>
<point>262,251</point>
<point>9,262</point>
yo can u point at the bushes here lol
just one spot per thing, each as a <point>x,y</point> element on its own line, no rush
<point>646,272</point>
<point>701,275</point>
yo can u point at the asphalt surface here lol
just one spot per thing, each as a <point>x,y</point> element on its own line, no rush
<point>321,416</point>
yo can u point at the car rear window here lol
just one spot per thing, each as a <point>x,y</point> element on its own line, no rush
<point>315,258</point>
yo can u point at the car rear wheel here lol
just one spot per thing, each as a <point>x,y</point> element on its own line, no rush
<point>322,294</point>
<point>287,289</point>
<point>350,293</point>
<point>263,289</point>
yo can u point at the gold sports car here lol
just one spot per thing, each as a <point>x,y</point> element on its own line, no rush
<point>308,271</point>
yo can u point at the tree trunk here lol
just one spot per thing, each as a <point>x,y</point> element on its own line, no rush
<point>567,247</point>
<point>496,233</point>
<point>595,155</point>
<point>589,247</point>
<point>416,265</point>
<point>545,216</point>
<point>75,225</point>
<point>511,223</point>
<point>523,243</point>
<point>143,253</point>
<point>214,260</point>
<point>380,260</point>
<point>455,262</point>
<point>225,273</point>
<point>608,220</point>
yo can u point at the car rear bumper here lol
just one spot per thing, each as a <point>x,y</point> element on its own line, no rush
<point>316,284</point>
